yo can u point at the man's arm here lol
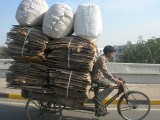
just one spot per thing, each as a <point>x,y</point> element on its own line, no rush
<point>106,73</point>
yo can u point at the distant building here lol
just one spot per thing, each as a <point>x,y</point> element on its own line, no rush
<point>100,51</point>
<point>119,50</point>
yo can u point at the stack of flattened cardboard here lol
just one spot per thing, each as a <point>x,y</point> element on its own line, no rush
<point>70,83</point>
<point>27,73</point>
<point>71,53</point>
<point>70,60</point>
<point>26,45</point>
<point>26,42</point>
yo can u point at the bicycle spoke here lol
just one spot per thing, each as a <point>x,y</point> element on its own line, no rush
<point>33,107</point>
<point>38,100</point>
<point>126,109</point>
<point>35,104</point>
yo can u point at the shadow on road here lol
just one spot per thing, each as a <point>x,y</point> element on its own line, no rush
<point>8,112</point>
<point>77,118</point>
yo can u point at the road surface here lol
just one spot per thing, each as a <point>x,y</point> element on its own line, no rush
<point>15,110</point>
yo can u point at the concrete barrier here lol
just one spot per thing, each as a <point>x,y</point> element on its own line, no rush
<point>137,73</point>
<point>4,65</point>
<point>132,72</point>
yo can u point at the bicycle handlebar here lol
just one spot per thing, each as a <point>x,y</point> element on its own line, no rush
<point>122,80</point>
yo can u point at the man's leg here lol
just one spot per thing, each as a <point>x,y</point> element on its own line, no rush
<point>103,94</point>
<point>96,91</point>
<point>99,112</point>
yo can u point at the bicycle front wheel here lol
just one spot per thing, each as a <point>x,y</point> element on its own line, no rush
<point>134,105</point>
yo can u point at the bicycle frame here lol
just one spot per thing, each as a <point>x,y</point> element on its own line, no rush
<point>121,90</point>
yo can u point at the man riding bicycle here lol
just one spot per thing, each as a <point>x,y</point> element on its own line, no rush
<point>99,74</point>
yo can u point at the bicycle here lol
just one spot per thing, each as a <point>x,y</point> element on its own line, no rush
<point>45,102</point>
<point>130,102</point>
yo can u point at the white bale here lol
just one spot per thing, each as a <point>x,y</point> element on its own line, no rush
<point>31,12</point>
<point>88,21</point>
<point>58,21</point>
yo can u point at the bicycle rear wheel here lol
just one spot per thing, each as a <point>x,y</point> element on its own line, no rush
<point>43,107</point>
<point>134,105</point>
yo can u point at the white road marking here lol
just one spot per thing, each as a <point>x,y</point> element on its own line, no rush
<point>11,103</point>
<point>152,109</point>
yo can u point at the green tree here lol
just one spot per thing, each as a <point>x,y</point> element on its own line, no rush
<point>143,52</point>
<point>3,53</point>
<point>153,51</point>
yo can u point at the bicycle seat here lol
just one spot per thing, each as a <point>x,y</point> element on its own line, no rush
<point>97,85</point>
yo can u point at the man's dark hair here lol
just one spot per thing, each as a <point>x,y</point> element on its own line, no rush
<point>108,49</point>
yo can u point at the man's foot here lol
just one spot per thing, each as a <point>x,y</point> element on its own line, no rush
<point>101,113</point>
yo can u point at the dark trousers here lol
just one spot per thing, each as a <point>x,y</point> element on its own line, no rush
<point>103,94</point>
<point>96,91</point>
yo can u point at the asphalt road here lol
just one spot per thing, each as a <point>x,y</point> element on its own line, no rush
<point>15,110</point>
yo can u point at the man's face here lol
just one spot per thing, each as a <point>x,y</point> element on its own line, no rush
<point>109,55</point>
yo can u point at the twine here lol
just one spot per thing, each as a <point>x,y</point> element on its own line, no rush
<point>69,51</point>
<point>25,40</point>
<point>69,82</point>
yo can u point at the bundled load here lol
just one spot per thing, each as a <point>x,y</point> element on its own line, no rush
<point>70,60</point>
<point>70,83</point>
<point>27,73</point>
<point>49,56</point>
<point>88,21</point>
<point>31,12</point>
<point>26,42</point>
<point>58,21</point>
<point>71,52</point>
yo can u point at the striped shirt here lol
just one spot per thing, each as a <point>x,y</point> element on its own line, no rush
<point>100,70</point>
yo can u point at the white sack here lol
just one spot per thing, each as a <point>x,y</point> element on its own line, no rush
<point>31,12</point>
<point>88,21</point>
<point>58,21</point>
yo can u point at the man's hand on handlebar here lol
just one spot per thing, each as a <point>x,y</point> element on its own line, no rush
<point>118,82</point>
<point>121,79</point>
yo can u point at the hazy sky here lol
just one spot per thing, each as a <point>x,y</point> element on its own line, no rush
<point>123,20</point>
